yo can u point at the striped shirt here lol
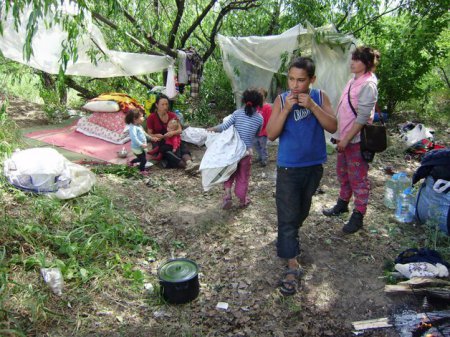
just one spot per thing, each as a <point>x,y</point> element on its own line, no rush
<point>247,127</point>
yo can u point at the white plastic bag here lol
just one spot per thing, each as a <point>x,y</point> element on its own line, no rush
<point>81,181</point>
<point>44,170</point>
<point>40,170</point>
<point>171,91</point>
<point>417,134</point>
<point>54,279</point>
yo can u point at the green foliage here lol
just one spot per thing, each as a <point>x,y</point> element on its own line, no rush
<point>402,69</point>
<point>53,108</point>
<point>216,97</point>
<point>414,25</point>
<point>118,170</point>
<point>19,80</point>
<point>10,136</point>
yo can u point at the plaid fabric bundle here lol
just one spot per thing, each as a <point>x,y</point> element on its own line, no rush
<point>196,72</point>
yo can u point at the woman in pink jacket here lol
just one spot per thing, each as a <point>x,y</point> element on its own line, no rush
<point>356,108</point>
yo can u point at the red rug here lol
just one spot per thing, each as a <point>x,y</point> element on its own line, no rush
<point>69,139</point>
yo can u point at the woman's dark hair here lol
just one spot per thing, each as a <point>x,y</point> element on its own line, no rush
<point>366,55</point>
<point>251,98</point>
<point>376,59</point>
<point>158,98</point>
<point>132,115</point>
<point>305,63</point>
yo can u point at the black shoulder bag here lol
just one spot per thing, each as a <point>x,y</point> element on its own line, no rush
<point>373,137</point>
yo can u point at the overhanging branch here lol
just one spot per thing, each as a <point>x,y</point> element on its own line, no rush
<point>176,24</point>
<point>235,5</point>
<point>138,43</point>
<point>375,18</point>
<point>196,23</point>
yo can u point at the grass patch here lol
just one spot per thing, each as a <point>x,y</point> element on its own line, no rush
<point>94,243</point>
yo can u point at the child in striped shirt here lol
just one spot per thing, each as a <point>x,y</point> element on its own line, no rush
<point>248,123</point>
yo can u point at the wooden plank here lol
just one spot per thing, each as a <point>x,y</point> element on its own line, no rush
<point>425,281</point>
<point>372,324</point>
<point>441,292</point>
<point>398,288</point>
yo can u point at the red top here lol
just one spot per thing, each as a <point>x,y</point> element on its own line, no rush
<point>265,112</point>
<point>175,141</point>
<point>155,124</point>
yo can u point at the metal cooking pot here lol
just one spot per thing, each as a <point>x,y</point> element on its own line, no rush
<point>178,279</point>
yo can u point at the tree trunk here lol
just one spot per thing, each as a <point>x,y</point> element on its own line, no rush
<point>274,22</point>
<point>444,75</point>
<point>83,92</point>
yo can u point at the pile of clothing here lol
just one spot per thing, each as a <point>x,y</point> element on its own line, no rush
<point>421,262</point>
<point>418,138</point>
<point>190,66</point>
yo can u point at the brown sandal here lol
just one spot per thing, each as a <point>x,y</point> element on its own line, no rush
<point>289,287</point>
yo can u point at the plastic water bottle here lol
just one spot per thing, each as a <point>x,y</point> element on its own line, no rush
<point>180,116</point>
<point>405,206</point>
<point>390,192</point>
<point>403,183</point>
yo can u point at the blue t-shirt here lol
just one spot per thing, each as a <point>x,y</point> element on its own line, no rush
<point>302,140</point>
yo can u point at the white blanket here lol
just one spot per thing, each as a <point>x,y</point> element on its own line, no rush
<point>196,136</point>
<point>223,153</point>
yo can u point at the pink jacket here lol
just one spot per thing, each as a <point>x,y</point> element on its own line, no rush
<point>345,115</point>
<point>265,112</point>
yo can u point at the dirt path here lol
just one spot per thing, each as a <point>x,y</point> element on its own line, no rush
<point>236,253</point>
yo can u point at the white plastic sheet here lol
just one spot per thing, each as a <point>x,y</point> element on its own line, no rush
<point>47,46</point>
<point>223,153</point>
<point>252,61</point>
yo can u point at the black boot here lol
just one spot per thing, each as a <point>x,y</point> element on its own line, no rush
<point>340,207</point>
<point>354,224</point>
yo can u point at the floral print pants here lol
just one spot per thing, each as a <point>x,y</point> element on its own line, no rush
<point>352,171</point>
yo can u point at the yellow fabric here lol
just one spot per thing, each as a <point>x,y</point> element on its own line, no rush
<point>118,97</point>
<point>125,101</point>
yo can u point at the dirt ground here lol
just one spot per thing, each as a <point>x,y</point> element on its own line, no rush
<point>235,251</point>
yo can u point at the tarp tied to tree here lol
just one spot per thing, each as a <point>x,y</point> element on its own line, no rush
<point>252,61</point>
<point>50,44</point>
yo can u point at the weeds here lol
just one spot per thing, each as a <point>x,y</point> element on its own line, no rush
<point>88,238</point>
<point>119,170</point>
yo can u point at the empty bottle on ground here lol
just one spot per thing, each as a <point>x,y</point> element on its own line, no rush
<point>403,183</point>
<point>390,191</point>
<point>394,187</point>
<point>405,206</point>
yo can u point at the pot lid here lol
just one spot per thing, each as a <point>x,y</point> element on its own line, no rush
<point>178,270</point>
